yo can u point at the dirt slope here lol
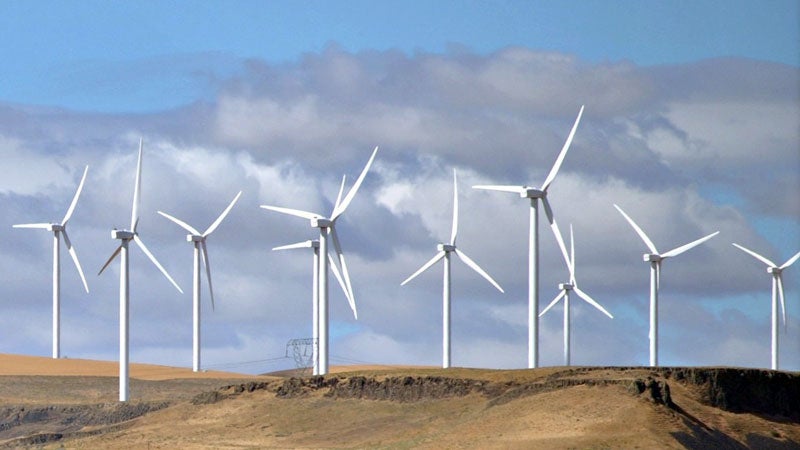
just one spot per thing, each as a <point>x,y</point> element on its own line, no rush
<point>427,408</point>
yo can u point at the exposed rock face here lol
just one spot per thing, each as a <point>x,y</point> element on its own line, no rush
<point>745,390</point>
<point>44,424</point>
<point>405,389</point>
<point>656,391</point>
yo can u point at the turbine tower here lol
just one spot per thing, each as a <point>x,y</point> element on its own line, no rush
<point>199,241</point>
<point>566,288</point>
<point>327,228</point>
<point>314,245</point>
<point>125,237</point>
<point>59,229</point>
<point>777,292</point>
<point>655,259</point>
<point>535,194</point>
<point>444,253</point>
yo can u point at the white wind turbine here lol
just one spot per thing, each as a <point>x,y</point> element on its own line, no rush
<point>59,229</point>
<point>566,288</point>
<point>125,237</point>
<point>199,241</point>
<point>327,228</point>
<point>314,245</point>
<point>655,259</point>
<point>777,292</point>
<point>534,194</point>
<point>444,253</point>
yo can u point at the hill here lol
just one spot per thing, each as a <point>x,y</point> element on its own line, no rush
<point>412,408</point>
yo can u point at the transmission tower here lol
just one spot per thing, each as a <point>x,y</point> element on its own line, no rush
<point>302,351</point>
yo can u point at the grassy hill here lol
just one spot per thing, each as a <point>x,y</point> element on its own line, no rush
<point>411,408</point>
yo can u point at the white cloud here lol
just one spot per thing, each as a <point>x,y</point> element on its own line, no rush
<point>682,165</point>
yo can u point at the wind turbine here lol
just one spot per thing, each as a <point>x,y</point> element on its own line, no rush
<point>777,291</point>
<point>125,237</point>
<point>566,288</point>
<point>444,253</point>
<point>58,229</point>
<point>655,259</point>
<point>327,228</point>
<point>535,194</point>
<point>314,245</point>
<point>199,241</point>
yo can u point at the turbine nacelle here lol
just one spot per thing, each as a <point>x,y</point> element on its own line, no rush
<point>529,192</point>
<point>195,238</point>
<point>774,270</point>
<point>321,222</point>
<point>446,248</point>
<point>566,286</point>
<point>56,227</point>
<point>652,257</point>
<point>125,235</point>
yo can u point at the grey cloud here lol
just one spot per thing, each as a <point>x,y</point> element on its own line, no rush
<point>684,155</point>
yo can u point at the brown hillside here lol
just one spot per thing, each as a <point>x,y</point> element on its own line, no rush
<point>417,408</point>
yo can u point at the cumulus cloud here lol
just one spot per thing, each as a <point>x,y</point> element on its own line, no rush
<point>684,152</point>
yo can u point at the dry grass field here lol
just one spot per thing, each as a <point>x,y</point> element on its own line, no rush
<point>69,403</point>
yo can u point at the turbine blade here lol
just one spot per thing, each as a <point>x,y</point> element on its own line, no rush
<point>337,211</point>
<point>340,255</point>
<point>548,211</point>
<point>553,303</point>
<point>44,226</point>
<point>756,255</point>
<point>341,191</point>
<point>783,302</point>
<point>222,216</point>
<point>454,231</point>
<point>113,255</point>
<point>180,223</point>
<point>137,191</point>
<point>304,244</point>
<point>571,255</point>
<point>75,198</point>
<point>791,261</point>
<point>74,256</point>
<point>782,299</point>
<point>551,176</point>
<point>292,212</point>
<point>141,245</point>
<point>208,271</point>
<point>683,248</point>
<point>639,231</point>
<point>486,187</point>
<point>338,276</point>
<point>591,301</point>
<point>478,269</point>
<point>658,275</point>
<point>426,266</point>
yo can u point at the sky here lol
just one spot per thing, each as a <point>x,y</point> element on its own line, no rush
<point>691,125</point>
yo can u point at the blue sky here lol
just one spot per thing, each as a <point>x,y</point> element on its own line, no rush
<point>692,125</point>
<point>118,56</point>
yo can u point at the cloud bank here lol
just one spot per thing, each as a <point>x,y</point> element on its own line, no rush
<point>686,150</point>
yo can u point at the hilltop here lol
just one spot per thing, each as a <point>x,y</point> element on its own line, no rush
<point>558,407</point>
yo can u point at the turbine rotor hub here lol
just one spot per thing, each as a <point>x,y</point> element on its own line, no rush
<point>194,238</point>
<point>649,257</point>
<point>56,227</point>
<point>124,235</point>
<point>446,248</point>
<point>774,270</point>
<point>532,193</point>
<point>321,222</point>
<point>566,286</point>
